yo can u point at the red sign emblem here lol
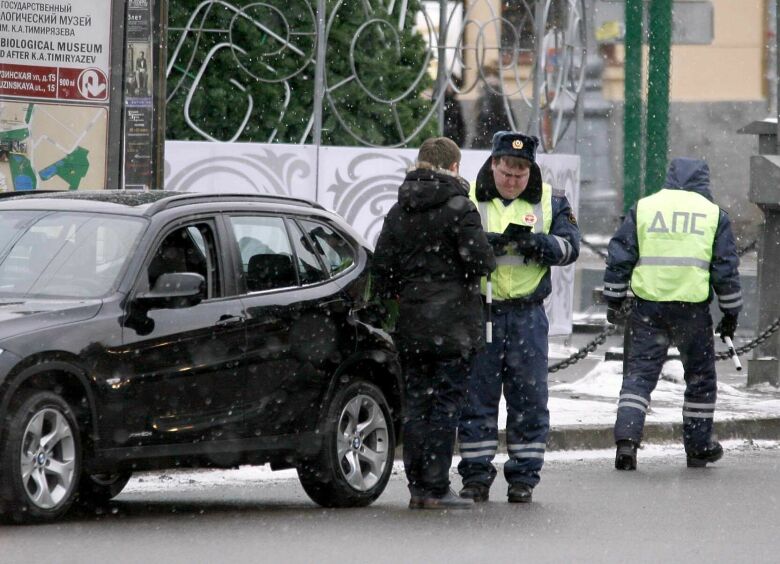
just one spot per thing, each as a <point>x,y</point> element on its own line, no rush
<point>93,84</point>
<point>529,219</point>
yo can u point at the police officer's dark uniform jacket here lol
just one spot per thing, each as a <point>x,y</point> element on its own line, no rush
<point>516,360</point>
<point>430,256</point>
<point>674,251</point>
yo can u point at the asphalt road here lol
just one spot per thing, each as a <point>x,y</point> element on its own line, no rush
<point>584,511</point>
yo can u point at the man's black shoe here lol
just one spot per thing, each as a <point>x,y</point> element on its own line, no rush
<point>475,492</point>
<point>699,459</point>
<point>519,493</point>
<point>448,501</point>
<point>625,455</point>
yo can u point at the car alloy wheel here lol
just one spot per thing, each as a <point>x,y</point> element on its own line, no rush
<point>355,459</point>
<point>48,458</point>
<point>362,442</point>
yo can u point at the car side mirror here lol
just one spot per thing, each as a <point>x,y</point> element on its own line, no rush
<point>174,290</point>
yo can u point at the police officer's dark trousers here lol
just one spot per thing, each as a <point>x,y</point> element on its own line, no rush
<point>435,391</point>
<point>653,326</point>
<point>517,361</point>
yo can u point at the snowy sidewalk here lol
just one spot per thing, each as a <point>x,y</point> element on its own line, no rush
<point>583,412</point>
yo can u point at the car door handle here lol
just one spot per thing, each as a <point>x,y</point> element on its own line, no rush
<point>227,320</point>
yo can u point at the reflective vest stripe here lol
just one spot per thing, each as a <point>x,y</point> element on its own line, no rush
<point>674,261</point>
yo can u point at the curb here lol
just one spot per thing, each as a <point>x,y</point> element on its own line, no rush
<point>600,436</point>
<point>593,437</point>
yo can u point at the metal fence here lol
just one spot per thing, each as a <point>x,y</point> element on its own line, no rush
<point>538,48</point>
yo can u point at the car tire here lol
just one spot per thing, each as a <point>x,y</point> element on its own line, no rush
<point>97,489</point>
<point>356,457</point>
<point>41,459</point>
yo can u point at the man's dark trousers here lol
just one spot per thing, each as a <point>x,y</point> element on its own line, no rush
<point>653,326</point>
<point>435,391</point>
<point>516,360</point>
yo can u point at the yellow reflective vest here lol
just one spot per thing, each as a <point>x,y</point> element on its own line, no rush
<point>676,231</point>
<point>513,277</point>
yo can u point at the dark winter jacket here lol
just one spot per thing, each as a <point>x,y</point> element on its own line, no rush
<point>430,255</point>
<point>684,174</point>
<point>564,225</point>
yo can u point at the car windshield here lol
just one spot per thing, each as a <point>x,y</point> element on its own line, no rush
<point>45,254</point>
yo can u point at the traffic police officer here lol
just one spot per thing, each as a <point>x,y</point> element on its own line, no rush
<point>674,248</point>
<point>509,190</point>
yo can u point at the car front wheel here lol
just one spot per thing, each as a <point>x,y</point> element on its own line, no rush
<point>41,459</point>
<point>356,458</point>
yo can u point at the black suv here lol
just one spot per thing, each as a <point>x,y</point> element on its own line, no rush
<point>143,330</point>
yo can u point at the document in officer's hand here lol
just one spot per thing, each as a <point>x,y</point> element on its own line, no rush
<point>515,231</point>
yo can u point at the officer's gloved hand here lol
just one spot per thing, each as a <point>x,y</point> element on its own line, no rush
<point>499,242</point>
<point>727,326</point>
<point>527,244</point>
<point>616,315</point>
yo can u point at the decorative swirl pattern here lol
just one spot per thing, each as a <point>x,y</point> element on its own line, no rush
<point>273,42</point>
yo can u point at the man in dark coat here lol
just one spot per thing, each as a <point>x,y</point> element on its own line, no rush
<point>430,256</point>
<point>673,250</point>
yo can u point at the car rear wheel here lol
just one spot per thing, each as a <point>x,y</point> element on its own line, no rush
<point>356,458</point>
<point>96,489</point>
<point>41,459</point>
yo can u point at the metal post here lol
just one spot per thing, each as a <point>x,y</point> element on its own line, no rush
<point>319,90</point>
<point>660,40</point>
<point>442,78</point>
<point>539,12</point>
<point>632,116</point>
<point>160,94</point>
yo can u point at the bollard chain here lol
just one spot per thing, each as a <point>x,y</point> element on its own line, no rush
<point>747,248</point>
<point>584,351</point>
<point>754,343</point>
<point>593,247</point>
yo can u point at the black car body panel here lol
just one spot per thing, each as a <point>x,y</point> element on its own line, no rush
<point>240,376</point>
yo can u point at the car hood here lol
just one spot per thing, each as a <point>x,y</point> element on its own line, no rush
<point>22,316</point>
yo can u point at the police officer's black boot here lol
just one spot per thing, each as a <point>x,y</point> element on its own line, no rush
<point>699,459</point>
<point>519,493</point>
<point>625,455</point>
<point>476,492</point>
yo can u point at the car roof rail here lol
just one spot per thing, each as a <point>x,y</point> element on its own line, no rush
<point>14,194</point>
<point>193,197</point>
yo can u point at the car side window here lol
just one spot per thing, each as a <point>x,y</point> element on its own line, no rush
<point>267,257</point>
<point>337,254</point>
<point>309,267</point>
<point>188,249</point>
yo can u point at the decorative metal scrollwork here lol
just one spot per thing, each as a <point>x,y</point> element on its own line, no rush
<point>537,46</point>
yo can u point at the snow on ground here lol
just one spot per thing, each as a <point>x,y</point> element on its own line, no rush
<point>592,400</point>
<point>194,480</point>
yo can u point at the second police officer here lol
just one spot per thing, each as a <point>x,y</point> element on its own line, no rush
<point>672,250</point>
<point>509,190</point>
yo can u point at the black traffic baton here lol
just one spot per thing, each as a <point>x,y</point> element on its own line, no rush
<point>733,353</point>
<point>489,315</point>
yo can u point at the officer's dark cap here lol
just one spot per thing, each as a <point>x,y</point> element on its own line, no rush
<point>512,144</point>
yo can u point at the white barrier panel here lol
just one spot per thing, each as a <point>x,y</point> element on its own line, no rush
<point>358,183</point>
